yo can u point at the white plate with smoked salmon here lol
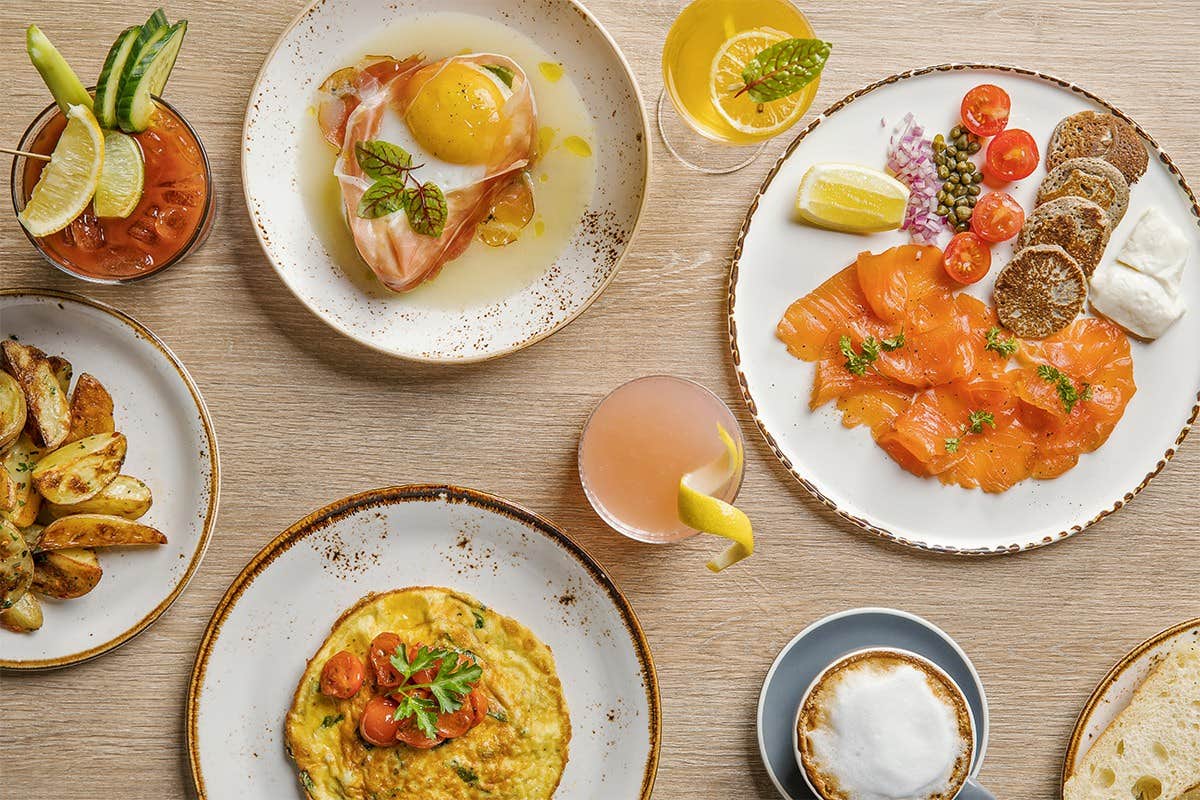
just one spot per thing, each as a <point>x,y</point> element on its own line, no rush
<point>962,309</point>
<point>445,182</point>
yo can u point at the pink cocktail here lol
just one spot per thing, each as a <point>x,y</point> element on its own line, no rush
<point>640,441</point>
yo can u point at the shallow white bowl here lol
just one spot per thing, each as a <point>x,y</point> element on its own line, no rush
<point>317,43</point>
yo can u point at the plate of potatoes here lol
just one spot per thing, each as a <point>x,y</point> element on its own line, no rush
<point>109,478</point>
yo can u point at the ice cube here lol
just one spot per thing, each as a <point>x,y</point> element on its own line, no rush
<point>173,222</point>
<point>85,232</point>
<point>128,261</point>
<point>144,229</point>
<point>182,198</point>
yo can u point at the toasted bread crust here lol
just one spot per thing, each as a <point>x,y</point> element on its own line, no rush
<point>1092,179</point>
<point>1040,291</point>
<point>1092,135</point>
<point>1076,225</point>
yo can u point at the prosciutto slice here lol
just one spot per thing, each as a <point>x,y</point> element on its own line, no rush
<point>353,104</point>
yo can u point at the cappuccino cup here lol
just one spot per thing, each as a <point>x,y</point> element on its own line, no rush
<point>886,724</point>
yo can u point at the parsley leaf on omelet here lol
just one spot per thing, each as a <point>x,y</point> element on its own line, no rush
<point>453,681</point>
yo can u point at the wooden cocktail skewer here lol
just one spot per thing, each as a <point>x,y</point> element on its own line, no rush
<point>38,156</point>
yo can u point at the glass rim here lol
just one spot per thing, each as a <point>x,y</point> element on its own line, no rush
<point>598,507</point>
<point>18,203</point>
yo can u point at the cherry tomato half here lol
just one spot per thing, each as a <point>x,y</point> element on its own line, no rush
<point>377,725</point>
<point>985,110</point>
<point>1012,155</point>
<point>456,723</point>
<point>479,702</point>
<point>997,217</point>
<point>383,647</point>
<point>342,675</point>
<point>967,258</point>
<point>413,736</point>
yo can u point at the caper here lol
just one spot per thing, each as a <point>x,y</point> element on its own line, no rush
<point>956,132</point>
<point>942,211</point>
<point>962,212</point>
<point>961,143</point>
<point>943,172</point>
<point>973,148</point>
<point>960,191</point>
<point>951,151</point>
<point>939,140</point>
<point>970,166</point>
<point>973,190</point>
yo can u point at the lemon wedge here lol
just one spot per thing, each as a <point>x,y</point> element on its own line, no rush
<point>700,510</point>
<point>851,198</point>
<point>70,179</point>
<point>122,177</point>
<point>760,120</point>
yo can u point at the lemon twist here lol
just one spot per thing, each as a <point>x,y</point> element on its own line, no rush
<point>700,510</point>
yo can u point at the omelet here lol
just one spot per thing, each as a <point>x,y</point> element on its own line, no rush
<point>517,752</point>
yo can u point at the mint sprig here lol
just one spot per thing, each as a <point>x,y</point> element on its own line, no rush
<point>395,189</point>
<point>784,68</point>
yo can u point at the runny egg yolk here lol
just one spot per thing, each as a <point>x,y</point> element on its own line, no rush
<point>456,113</point>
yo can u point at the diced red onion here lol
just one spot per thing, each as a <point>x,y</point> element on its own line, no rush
<point>910,159</point>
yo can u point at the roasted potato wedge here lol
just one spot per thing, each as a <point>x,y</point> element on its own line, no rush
<point>24,616</point>
<point>63,371</point>
<point>98,530</point>
<point>18,463</point>
<point>125,496</point>
<point>67,573</point>
<point>16,565</point>
<point>9,492</point>
<point>79,470</point>
<point>12,410</point>
<point>91,409</point>
<point>48,411</point>
<point>33,536</point>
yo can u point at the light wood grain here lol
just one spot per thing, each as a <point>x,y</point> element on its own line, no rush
<point>1042,627</point>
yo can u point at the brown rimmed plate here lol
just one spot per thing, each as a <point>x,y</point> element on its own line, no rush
<point>172,447</point>
<point>278,611</point>
<point>778,260</point>
<point>1116,689</point>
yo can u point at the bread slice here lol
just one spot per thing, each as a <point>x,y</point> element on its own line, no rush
<point>1040,291</point>
<point>1076,225</point>
<point>1092,179</point>
<point>1092,135</point>
<point>1152,749</point>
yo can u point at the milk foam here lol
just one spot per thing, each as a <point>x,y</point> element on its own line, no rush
<point>888,735</point>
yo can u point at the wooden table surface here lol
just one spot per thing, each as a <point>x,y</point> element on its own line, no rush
<point>305,417</point>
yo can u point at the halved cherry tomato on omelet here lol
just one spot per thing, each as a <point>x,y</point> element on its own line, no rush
<point>383,647</point>
<point>985,110</point>
<point>967,258</point>
<point>480,704</point>
<point>997,217</point>
<point>413,736</point>
<point>1012,155</point>
<point>342,675</point>
<point>377,724</point>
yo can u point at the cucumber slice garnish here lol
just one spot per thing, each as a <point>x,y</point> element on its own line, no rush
<point>109,85</point>
<point>147,76</point>
<point>60,79</point>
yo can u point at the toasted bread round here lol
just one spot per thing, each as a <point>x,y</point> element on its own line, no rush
<point>1092,179</point>
<point>1076,225</point>
<point>1040,291</point>
<point>1092,135</point>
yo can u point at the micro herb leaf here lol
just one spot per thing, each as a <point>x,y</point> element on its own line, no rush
<point>893,342</point>
<point>952,444</point>
<point>856,363</point>
<point>384,197</point>
<point>380,159</point>
<point>1067,393</point>
<point>503,73</point>
<point>979,419</point>
<point>995,343</point>
<point>426,207</point>
<point>331,720</point>
<point>784,68</point>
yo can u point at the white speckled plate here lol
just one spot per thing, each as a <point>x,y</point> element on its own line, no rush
<point>172,448</point>
<point>279,610</point>
<point>778,260</point>
<point>326,37</point>
<point>1115,691</point>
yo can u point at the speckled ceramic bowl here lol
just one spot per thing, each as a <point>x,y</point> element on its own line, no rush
<point>327,36</point>
<point>280,608</point>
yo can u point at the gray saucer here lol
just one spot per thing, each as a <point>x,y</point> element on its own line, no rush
<point>826,640</point>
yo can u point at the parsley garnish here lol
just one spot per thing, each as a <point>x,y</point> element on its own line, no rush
<point>449,687</point>
<point>332,720</point>
<point>871,347</point>
<point>1067,393</point>
<point>975,422</point>
<point>1005,347</point>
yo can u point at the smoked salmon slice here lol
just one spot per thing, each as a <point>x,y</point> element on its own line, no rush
<point>947,392</point>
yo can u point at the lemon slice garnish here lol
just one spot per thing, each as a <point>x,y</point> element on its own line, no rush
<point>851,198</point>
<point>122,177</point>
<point>700,510</point>
<point>761,120</point>
<point>70,179</point>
